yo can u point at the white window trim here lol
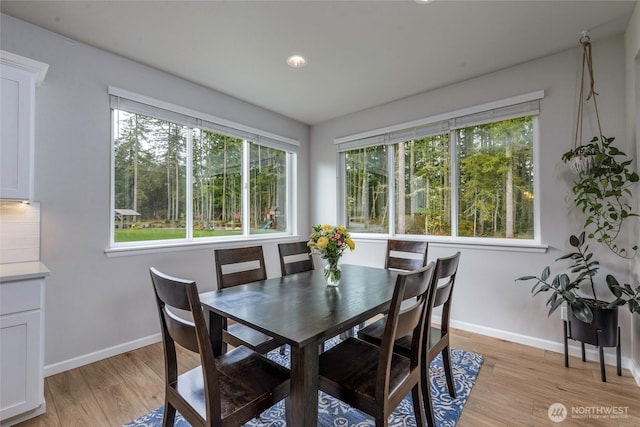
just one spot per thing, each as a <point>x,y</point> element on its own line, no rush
<point>528,245</point>
<point>257,136</point>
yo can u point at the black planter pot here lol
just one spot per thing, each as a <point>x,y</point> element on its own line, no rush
<point>603,331</point>
<point>605,320</point>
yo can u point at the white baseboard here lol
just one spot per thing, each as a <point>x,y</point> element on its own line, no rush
<point>635,371</point>
<point>76,362</point>
<point>558,347</point>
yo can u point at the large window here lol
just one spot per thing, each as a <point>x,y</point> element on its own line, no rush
<point>181,177</point>
<point>467,176</point>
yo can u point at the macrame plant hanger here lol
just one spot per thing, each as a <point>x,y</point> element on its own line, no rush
<point>584,160</point>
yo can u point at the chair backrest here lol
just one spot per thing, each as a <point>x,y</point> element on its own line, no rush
<point>295,257</point>
<point>444,278</point>
<point>446,270</point>
<point>406,255</point>
<point>174,293</point>
<point>410,307</point>
<point>239,266</point>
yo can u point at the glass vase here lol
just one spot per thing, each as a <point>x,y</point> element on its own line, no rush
<point>332,273</point>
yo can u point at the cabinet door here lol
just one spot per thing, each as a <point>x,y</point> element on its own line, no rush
<point>20,373</point>
<point>16,138</point>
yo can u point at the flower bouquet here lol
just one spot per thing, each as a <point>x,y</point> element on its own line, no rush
<point>329,242</point>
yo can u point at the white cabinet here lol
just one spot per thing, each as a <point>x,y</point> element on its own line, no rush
<point>21,347</point>
<point>18,76</point>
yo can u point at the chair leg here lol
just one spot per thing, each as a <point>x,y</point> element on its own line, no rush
<point>346,334</point>
<point>418,406</point>
<point>382,421</point>
<point>425,384</point>
<point>448,371</point>
<point>169,417</point>
<point>282,350</point>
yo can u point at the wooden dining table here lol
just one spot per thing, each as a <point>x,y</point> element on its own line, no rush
<point>302,311</point>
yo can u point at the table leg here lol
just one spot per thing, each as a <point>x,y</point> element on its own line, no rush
<point>304,386</point>
<point>216,324</point>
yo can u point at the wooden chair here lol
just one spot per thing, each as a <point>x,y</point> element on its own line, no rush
<point>436,340</point>
<point>225,391</point>
<point>295,257</point>
<point>236,267</point>
<point>402,255</point>
<point>373,378</point>
<point>406,255</point>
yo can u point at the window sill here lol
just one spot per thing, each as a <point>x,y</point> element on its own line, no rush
<point>462,243</point>
<point>168,246</point>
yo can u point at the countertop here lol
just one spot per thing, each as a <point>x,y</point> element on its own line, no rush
<point>22,271</point>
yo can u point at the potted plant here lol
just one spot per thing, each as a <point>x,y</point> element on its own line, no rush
<point>603,191</point>
<point>587,312</point>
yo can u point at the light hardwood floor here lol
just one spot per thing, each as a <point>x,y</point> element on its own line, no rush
<point>515,387</point>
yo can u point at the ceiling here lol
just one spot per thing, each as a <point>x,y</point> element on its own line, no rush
<point>360,53</point>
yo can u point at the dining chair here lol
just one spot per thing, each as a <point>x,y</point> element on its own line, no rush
<point>236,267</point>
<point>402,255</point>
<point>436,339</point>
<point>227,390</point>
<point>406,255</point>
<point>372,378</point>
<point>295,257</point>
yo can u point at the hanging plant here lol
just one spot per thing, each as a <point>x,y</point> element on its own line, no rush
<point>604,176</point>
<point>582,158</point>
<point>603,193</point>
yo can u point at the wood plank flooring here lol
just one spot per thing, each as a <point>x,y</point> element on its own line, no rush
<point>515,387</point>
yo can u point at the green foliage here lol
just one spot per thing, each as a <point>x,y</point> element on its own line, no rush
<point>565,287</point>
<point>150,171</point>
<point>604,192</point>
<point>495,183</point>
<point>625,294</point>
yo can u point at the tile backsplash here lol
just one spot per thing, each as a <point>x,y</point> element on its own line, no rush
<point>19,232</point>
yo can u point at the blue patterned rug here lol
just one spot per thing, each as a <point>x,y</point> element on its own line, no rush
<point>334,413</point>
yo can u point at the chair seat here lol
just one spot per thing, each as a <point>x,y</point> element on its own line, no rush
<point>245,377</point>
<point>353,365</point>
<point>238,334</point>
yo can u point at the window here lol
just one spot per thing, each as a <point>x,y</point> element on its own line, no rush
<point>468,175</point>
<point>181,177</point>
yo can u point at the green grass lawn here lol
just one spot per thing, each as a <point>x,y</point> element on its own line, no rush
<point>140,234</point>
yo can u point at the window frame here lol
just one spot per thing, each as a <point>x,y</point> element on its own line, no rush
<point>151,107</point>
<point>392,135</point>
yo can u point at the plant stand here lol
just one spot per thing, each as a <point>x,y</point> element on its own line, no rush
<point>599,344</point>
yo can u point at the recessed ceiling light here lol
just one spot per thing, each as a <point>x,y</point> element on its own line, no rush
<point>296,61</point>
<point>423,1</point>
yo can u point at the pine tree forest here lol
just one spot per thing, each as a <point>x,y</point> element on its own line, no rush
<point>494,183</point>
<point>151,179</point>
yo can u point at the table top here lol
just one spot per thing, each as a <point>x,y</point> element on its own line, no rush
<point>301,309</point>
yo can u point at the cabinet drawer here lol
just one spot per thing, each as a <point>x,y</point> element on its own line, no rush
<point>20,296</point>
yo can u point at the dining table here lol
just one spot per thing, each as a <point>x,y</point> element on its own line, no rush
<point>301,311</point>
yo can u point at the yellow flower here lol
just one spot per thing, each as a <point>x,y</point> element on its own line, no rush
<point>351,244</point>
<point>327,226</point>
<point>322,242</point>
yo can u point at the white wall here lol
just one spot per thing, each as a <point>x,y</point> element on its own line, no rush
<point>487,299</point>
<point>632,68</point>
<point>99,305</point>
